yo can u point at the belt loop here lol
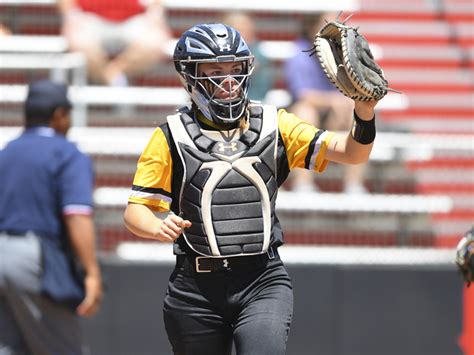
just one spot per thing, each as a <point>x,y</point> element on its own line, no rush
<point>271,253</point>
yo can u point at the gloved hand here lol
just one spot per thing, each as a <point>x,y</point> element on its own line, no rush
<point>345,57</point>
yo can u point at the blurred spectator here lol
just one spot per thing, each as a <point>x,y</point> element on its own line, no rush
<point>45,225</point>
<point>316,100</point>
<point>118,37</point>
<point>4,30</point>
<point>262,77</point>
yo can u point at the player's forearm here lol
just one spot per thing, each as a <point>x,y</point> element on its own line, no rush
<point>344,149</point>
<point>358,153</point>
<point>365,110</point>
<point>82,237</point>
<point>362,135</point>
<point>355,146</point>
<point>141,221</point>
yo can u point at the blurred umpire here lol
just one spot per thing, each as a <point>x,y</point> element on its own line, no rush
<point>45,223</point>
<point>217,165</point>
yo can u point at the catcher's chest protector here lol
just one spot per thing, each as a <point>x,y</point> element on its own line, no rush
<point>229,188</point>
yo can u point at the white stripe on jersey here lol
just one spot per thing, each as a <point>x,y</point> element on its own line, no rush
<point>150,196</point>
<point>317,146</point>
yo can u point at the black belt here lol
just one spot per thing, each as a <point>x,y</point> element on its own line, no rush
<point>202,264</point>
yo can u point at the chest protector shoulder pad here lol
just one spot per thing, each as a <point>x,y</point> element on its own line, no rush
<point>229,189</point>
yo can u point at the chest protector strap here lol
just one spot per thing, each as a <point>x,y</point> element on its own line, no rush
<point>229,189</point>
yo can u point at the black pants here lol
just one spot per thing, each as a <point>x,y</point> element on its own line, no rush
<point>204,312</point>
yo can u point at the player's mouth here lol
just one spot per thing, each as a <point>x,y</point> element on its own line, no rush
<point>227,92</point>
<point>223,95</point>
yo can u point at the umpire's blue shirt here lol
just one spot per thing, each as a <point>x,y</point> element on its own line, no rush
<point>43,177</point>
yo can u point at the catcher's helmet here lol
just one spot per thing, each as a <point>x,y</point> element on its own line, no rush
<point>215,43</point>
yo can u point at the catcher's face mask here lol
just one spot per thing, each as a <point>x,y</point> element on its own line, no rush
<point>220,88</point>
<point>223,87</point>
<point>215,65</point>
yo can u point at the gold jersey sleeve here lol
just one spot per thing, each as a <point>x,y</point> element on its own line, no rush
<point>305,144</point>
<point>152,181</point>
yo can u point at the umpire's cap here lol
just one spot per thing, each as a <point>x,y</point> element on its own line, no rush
<point>46,95</point>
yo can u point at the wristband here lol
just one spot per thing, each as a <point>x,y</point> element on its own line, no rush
<point>362,131</point>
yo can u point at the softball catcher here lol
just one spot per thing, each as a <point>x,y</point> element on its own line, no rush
<point>216,166</point>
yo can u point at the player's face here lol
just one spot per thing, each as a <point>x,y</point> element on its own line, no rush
<point>223,83</point>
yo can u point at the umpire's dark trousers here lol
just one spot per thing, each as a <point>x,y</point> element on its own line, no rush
<point>251,305</point>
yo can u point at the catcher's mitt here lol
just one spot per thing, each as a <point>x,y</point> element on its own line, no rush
<point>346,59</point>
<point>465,256</point>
